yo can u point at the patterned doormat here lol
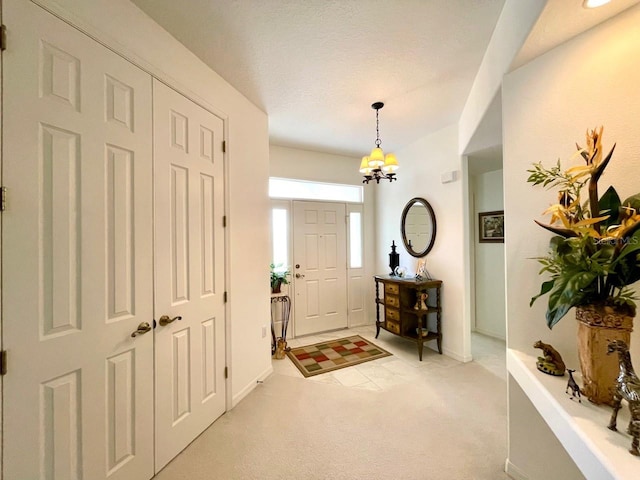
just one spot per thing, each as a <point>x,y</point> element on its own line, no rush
<point>331,355</point>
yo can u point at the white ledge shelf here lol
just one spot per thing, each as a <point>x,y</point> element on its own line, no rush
<point>581,428</point>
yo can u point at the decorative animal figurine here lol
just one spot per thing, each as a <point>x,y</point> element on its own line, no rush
<point>573,386</point>
<point>280,349</point>
<point>421,301</point>
<point>551,363</point>
<point>627,387</point>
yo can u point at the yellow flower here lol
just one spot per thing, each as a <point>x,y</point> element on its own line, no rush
<point>592,155</point>
<point>594,146</point>
<point>629,217</point>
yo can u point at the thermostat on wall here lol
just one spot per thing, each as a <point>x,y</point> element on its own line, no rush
<point>448,177</point>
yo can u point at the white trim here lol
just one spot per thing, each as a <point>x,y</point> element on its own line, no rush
<point>454,355</point>
<point>490,334</point>
<point>237,398</point>
<point>513,471</point>
<point>581,428</point>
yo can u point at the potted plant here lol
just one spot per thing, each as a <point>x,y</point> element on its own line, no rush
<point>279,276</point>
<point>592,261</point>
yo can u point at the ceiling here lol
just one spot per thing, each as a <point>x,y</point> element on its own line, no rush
<point>316,66</point>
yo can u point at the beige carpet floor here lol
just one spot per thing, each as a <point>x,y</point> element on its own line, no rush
<point>392,418</point>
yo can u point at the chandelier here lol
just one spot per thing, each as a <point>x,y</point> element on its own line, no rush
<point>378,166</point>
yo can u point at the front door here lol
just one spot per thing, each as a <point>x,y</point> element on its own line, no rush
<point>189,270</point>
<point>320,270</point>
<point>76,254</point>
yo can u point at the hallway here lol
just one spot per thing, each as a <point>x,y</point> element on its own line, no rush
<point>394,418</point>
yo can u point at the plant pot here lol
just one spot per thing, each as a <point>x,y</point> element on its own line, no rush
<point>598,325</point>
<point>276,288</point>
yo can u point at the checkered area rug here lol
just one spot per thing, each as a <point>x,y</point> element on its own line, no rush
<point>331,355</point>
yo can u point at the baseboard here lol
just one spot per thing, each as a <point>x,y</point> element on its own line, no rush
<point>489,334</point>
<point>238,397</point>
<point>513,471</point>
<point>456,356</point>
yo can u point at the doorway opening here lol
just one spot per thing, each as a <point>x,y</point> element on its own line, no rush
<point>318,236</point>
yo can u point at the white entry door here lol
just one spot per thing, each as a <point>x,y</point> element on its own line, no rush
<point>76,254</point>
<point>319,270</point>
<point>189,270</point>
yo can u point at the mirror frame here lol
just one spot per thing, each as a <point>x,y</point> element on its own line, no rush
<point>411,203</point>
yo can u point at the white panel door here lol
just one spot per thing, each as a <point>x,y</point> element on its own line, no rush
<point>320,274</point>
<point>189,270</point>
<point>77,255</point>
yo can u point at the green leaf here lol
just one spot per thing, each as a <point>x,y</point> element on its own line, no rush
<point>546,288</point>
<point>609,204</point>
<point>569,291</point>
<point>633,201</point>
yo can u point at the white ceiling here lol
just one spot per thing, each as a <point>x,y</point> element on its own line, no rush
<point>315,66</point>
<point>563,19</point>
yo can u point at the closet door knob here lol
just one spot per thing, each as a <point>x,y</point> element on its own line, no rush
<point>166,320</point>
<point>143,328</point>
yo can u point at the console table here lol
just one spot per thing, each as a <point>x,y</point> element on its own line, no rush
<point>403,316</point>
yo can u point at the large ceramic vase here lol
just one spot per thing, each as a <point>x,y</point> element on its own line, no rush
<point>598,325</point>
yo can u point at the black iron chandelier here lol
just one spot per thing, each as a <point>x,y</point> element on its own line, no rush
<point>378,166</point>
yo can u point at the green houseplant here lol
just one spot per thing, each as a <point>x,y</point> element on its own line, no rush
<point>279,277</point>
<point>592,260</point>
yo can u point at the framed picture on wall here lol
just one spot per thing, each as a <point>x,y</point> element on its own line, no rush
<point>491,227</point>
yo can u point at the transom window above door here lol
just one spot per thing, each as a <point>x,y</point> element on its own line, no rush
<point>307,190</point>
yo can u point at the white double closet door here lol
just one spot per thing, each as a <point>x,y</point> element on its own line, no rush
<point>115,218</point>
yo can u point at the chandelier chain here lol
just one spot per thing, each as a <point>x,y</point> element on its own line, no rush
<point>378,142</point>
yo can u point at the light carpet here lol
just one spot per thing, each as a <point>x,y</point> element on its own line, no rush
<point>432,420</point>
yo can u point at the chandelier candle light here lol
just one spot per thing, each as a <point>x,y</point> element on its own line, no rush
<point>377,165</point>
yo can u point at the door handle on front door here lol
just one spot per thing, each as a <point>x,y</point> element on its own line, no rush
<point>166,320</point>
<point>143,328</point>
<point>299,275</point>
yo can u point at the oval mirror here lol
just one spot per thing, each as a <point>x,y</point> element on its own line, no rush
<point>418,227</point>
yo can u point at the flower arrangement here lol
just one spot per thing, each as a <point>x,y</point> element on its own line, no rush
<point>279,276</point>
<point>593,259</point>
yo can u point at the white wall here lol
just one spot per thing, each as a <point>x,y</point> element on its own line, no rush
<point>514,24</point>
<point>547,106</point>
<point>127,30</point>
<point>489,260</point>
<point>286,162</point>
<point>421,165</point>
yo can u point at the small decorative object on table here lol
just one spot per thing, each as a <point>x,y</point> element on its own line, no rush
<point>394,258</point>
<point>551,363</point>
<point>421,301</point>
<point>592,261</point>
<point>421,271</point>
<point>400,272</point>
<point>627,387</point>
<point>573,386</point>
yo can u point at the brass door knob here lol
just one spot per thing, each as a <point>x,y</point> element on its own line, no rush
<point>166,320</point>
<point>299,275</point>
<point>143,328</point>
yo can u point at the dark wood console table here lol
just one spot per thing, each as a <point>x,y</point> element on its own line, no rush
<point>399,298</point>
